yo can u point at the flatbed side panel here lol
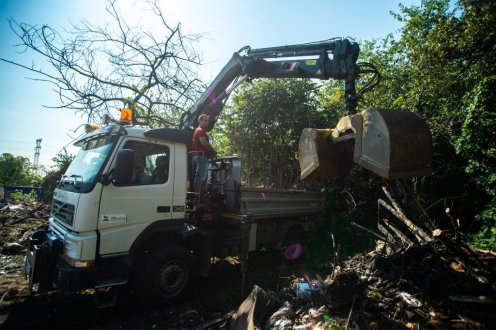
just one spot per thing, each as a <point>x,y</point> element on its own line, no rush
<point>274,203</point>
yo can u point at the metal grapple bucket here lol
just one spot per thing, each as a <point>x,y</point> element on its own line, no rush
<point>322,157</point>
<point>392,144</point>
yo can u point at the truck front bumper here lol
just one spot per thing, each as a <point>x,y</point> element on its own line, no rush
<point>44,266</point>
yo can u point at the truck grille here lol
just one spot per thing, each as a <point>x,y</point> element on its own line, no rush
<point>62,211</point>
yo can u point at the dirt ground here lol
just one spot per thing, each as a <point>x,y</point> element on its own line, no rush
<point>215,297</point>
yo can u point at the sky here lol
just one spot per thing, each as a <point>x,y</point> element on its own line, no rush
<point>225,26</point>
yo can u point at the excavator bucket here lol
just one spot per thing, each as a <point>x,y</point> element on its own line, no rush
<point>392,144</point>
<point>323,156</point>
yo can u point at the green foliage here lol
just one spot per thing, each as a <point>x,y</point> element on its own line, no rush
<point>21,197</point>
<point>17,171</point>
<point>477,144</point>
<point>442,67</point>
<point>449,68</point>
<point>264,124</point>
<point>477,141</point>
<point>333,239</point>
<point>62,161</point>
<point>388,56</point>
<point>485,238</point>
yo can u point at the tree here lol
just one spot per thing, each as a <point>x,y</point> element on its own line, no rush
<point>264,124</point>
<point>62,161</point>
<point>477,144</point>
<point>17,171</point>
<point>96,70</point>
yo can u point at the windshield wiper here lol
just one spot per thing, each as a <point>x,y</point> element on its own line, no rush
<point>62,181</point>
<point>77,180</point>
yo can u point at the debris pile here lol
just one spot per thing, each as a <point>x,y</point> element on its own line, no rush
<point>425,286</point>
<point>18,221</point>
<point>417,277</point>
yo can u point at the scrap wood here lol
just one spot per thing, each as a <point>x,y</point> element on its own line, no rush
<point>404,240</point>
<point>13,221</point>
<point>387,234</point>
<point>382,238</point>
<point>395,204</point>
<point>421,235</point>
<point>429,223</point>
<point>472,261</point>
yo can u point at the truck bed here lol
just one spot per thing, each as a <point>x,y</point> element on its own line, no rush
<point>264,203</point>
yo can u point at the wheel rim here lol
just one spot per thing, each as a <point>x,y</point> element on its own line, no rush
<point>171,278</point>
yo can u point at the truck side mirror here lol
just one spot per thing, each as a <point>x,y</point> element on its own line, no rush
<point>124,166</point>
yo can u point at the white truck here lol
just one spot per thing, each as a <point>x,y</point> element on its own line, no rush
<point>124,213</point>
<point>115,220</point>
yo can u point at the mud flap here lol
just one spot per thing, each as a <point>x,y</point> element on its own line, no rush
<point>43,249</point>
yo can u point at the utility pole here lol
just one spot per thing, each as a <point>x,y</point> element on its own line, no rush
<point>37,156</point>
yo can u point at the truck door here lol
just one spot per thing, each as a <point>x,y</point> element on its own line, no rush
<point>126,209</point>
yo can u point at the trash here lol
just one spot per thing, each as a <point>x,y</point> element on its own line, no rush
<point>281,324</point>
<point>293,252</point>
<point>317,315</point>
<point>409,314</point>
<point>303,291</point>
<point>410,300</point>
<point>285,312</point>
<point>254,310</point>
<point>12,248</point>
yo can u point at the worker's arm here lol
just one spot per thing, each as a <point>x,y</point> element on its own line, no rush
<point>204,142</point>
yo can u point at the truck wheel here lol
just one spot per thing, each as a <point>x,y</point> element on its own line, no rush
<point>167,276</point>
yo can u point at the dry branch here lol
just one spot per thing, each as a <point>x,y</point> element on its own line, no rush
<point>403,239</point>
<point>370,232</point>
<point>421,235</point>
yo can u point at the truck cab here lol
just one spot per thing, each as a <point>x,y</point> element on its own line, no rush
<point>122,180</point>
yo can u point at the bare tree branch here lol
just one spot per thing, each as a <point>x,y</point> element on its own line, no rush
<point>98,69</point>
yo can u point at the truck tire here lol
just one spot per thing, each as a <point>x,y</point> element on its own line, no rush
<point>166,276</point>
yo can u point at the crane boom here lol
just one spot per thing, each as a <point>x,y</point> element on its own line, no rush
<point>329,59</point>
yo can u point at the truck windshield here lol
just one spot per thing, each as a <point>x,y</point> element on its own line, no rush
<point>88,163</point>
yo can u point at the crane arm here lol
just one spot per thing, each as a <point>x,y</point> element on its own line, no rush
<point>335,58</point>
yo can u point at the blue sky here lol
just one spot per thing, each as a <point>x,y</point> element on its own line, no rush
<point>226,26</point>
